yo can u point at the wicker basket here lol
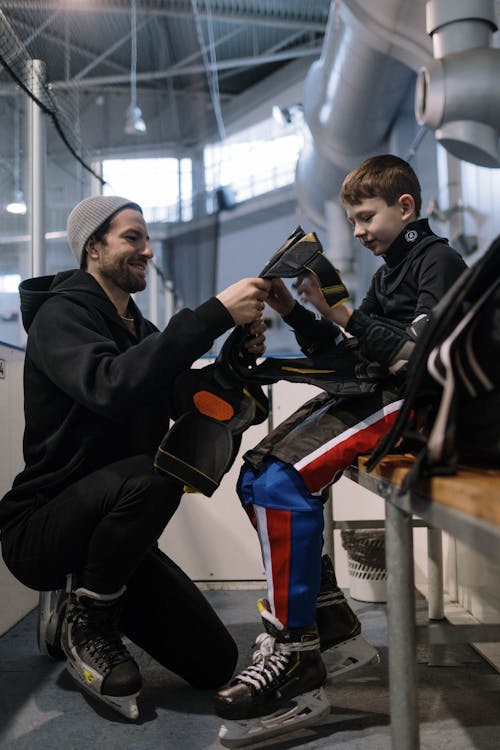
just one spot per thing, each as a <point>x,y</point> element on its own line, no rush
<point>366,564</point>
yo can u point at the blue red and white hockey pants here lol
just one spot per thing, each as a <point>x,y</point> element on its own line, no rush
<point>281,485</point>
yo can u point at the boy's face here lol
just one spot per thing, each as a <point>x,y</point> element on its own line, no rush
<point>376,224</point>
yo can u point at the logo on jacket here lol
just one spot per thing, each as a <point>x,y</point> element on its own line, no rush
<point>411,235</point>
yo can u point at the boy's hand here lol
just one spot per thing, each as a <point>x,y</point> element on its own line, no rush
<point>280,298</point>
<point>309,290</point>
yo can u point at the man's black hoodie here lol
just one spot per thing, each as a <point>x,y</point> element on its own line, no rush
<point>93,392</point>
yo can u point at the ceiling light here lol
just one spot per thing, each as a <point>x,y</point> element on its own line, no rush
<point>288,115</point>
<point>18,205</point>
<point>281,115</point>
<point>134,122</point>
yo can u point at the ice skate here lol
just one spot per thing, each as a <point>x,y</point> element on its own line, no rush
<point>52,608</point>
<point>341,643</point>
<point>96,656</point>
<point>280,692</point>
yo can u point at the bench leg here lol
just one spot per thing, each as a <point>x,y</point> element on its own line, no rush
<point>401,629</point>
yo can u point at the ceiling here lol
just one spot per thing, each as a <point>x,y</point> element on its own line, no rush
<point>194,58</point>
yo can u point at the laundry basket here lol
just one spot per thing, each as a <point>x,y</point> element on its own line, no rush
<point>366,564</point>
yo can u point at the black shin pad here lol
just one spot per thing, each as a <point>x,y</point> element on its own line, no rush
<point>197,450</point>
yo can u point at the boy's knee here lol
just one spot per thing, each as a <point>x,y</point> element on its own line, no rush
<point>280,486</point>
<point>245,485</point>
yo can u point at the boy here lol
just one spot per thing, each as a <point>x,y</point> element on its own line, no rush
<point>282,479</point>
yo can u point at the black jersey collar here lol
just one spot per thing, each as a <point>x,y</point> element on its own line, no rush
<point>406,241</point>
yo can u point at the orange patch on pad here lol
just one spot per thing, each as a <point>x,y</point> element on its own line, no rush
<point>213,406</point>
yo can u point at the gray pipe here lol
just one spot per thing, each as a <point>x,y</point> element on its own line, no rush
<point>457,94</point>
<point>351,97</point>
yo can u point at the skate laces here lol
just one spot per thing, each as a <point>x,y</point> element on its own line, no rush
<point>96,632</point>
<point>271,659</point>
<point>268,664</point>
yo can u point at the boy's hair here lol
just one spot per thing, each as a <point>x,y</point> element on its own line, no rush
<point>385,176</point>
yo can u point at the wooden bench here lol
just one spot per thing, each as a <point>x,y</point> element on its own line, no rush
<point>466,506</point>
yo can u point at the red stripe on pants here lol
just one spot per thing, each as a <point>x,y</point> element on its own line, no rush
<point>321,470</point>
<point>279,526</point>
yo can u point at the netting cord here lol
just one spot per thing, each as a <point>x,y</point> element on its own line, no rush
<point>53,117</point>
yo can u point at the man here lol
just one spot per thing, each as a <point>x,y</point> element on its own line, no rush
<point>98,386</point>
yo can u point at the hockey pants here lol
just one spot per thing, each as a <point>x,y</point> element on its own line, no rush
<point>281,486</point>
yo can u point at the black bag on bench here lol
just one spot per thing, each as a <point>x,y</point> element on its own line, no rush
<point>450,413</point>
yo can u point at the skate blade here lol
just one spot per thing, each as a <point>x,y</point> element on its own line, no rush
<point>125,705</point>
<point>349,655</point>
<point>307,709</point>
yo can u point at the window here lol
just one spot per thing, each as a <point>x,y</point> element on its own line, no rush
<point>162,187</point>
<point>254,161</point>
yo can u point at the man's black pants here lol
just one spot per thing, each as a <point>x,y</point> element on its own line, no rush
<point>104,529</point>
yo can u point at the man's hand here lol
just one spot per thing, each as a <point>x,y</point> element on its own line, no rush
<point>280,298</point>
<point>255,344</point>
<point>244,300</point>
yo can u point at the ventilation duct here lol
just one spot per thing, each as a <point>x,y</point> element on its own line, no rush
<point>458,94</point>
<point>352,96</point>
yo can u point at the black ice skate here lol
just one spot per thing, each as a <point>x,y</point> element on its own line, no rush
<point>341,642</point>
<point>96,656</point>
<point>282,690</point>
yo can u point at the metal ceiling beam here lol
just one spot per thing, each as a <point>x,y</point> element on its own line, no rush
<point>61,42</point>
<point>225,12</point>
<point>109,51</point>
<point>270,51</point>
<point>189,70</point>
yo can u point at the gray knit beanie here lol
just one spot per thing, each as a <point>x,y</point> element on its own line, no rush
<point>88,215</point>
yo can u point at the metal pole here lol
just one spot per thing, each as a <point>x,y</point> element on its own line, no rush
<point>435,574</point>
<point>153,294</point>
<point>270,416</point>
<point>169,301</point>
<point>37,144</point>
<point>328,535</point>
<point>401,629</point>
<point>452,577</point>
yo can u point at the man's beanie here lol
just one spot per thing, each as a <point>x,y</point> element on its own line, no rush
<point>88,215</point>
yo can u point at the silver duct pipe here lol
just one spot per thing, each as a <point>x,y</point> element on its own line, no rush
<point>457,94</point>
<point>352,95</point>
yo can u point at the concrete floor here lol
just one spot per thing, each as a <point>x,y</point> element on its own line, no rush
<point>41,709</point>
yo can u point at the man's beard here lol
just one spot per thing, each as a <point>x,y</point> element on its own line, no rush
<point>124,278</point>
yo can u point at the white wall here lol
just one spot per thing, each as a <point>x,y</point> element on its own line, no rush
<point>15,599</point>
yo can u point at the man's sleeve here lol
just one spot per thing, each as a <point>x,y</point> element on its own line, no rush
<point>72,348</point>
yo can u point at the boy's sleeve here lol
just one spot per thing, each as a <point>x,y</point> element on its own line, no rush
<point>391,343</point>
<point>385,341</point>
<point>314,335</point>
